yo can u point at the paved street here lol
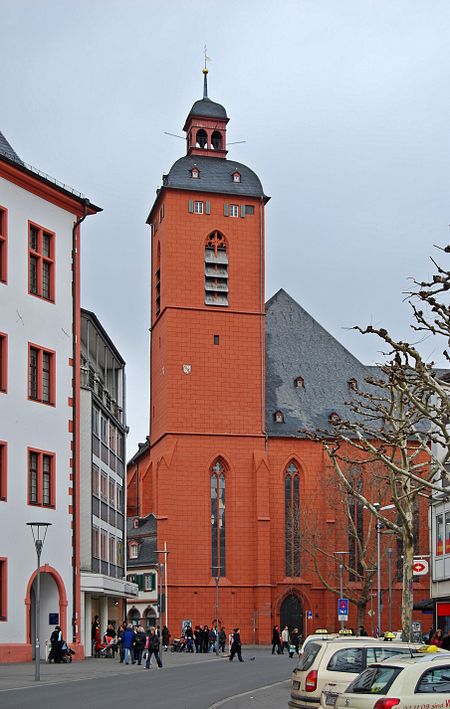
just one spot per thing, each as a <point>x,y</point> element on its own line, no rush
<point>185,682</point>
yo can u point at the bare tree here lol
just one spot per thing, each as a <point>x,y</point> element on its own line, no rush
<point>398,418</point>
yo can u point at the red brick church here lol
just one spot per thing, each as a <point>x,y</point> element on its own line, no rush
<point>236,382</point>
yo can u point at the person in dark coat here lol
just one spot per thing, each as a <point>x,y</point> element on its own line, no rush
<point>222,639</point>
<point>197,639</point>
<point>276,640</point>
<point>165,637</point>
<point>152,646</point>
<point>189,635</point>
<point>127,643</point>
<point>205,638</point>
<point>139,644</point>
<point>56,640</point>
<point>295,639</point>
<point>236,645</point>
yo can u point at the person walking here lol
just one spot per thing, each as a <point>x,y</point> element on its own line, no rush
<point>205,638</point>
<point>236,646</point>
<point>139,644</point>
<point>95,626</point>
<point>127,643</point>
<point>437,638</point>
<point>152,646</point>
<point>222,639</point>
<point>120,633</point>
<point>197,639</point>
<point>285,639</point>
<point>165,637</point>
<point>189,636</point>
<point>295,639</point>
<point>56,641</point>
<point>276,641</point>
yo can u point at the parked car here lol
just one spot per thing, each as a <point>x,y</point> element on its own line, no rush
<point>402,682</point>
<point>334,664</point>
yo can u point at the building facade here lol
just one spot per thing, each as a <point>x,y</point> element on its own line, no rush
<point>236,385</point>
<point>104,587</point>
<point>144,570</point>
<point>39,403</point>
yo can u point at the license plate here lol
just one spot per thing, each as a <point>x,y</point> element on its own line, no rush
<point>330,699</point>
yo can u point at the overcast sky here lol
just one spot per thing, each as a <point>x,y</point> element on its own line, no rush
<point>344,107</point>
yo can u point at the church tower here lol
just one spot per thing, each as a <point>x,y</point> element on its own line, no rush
<point>207,477</point>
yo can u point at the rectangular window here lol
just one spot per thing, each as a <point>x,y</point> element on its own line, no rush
<point>112,493</point>
<point>439,535</point>
<point>3,464</point>
<point>103,535</point>
<point>3,361</point>
<point>104,486</point>
<point>95,545</point>
<point>149,582</point>
<point>41,478</point>
<point>198,207</point>
<point>41,375</point>
<point>112,549</point>
<point>95,415</point>
<point>3,244</point>
<point>119,558</point>
<point>134,551</point>
<point>41,262</point>
<point>3,588</point>
<point>234,210</point>
<point>104,428</point>
<point>249,209</point>
<point>95,480</point>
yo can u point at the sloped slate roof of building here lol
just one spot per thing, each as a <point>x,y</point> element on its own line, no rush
<point>207,108</point>
<point>297,346</point>
<point>145,534</point>
<point>7,150</point>
<point>215,176</point>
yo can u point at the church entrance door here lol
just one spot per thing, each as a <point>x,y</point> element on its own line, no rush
<point>291,613</point>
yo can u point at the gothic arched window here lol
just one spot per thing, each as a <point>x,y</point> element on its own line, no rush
<point>292,519</point>
<point>216,270</point>
<point>218,518</point>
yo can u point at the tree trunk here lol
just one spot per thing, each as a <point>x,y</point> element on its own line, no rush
<point>360,618</point>
<point>407,590</point>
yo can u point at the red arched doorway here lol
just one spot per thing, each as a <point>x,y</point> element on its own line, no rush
<point>53,579</point>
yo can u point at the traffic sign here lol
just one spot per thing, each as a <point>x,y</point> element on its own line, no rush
<point>309,615</point>
<point>420,567</point>
<point>343,608</point>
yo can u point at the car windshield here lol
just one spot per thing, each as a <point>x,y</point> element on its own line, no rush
<point>308,656</point>
<point>374,680</point>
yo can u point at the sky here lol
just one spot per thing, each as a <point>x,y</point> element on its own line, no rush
<point>344,109</point>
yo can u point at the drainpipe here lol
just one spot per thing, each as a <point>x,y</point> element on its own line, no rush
<point>75,419</point>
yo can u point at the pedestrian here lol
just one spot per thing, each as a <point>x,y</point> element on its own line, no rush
<point>120,633</point>
<point>236,645</point>
<point>222,639</point>
<point>276,641</point>
<point>362,632</point>
<point>205,638</point>
<point>127,643</point>
<point>189,636</point>
<point>438,638</point>
<point>139,644</point>
<point>285,639</point>
<point>152,647</point>
<point>446,641</point>
<point>56,641</point>
<point>165,636</point>
<point>197,638</point>
<point>212,640</point>
<point>94,627</point>
<point>295,639</point>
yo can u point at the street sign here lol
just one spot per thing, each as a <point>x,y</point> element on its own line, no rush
<point>343,608</point>
<point>420,567</point>
<point>309,615</point>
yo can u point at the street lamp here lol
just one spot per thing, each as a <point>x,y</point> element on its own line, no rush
<point>217,578</point>
<point>379,527</point>
<point>341,580</point>
<point>39,532</point>
<point>389,553</point>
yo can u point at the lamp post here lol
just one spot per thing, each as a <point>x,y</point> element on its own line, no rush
<point>217,616</point>
<point>379,527</point>
<point>389,553</point>
<point>39,532</point>
<point>341,580</point>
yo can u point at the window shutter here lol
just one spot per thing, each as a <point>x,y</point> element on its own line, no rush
<point>242,210</point>
<point>208,207</point>
<point>153,584</point>
<point>225,210</point>
<point>140,581</point>
<point>191,206</point>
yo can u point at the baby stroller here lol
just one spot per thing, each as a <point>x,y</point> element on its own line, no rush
<point>66,652</point>
<point>103,649</point>
<point>178,645</point>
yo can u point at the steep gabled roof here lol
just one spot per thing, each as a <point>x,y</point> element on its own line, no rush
<point>297,346</point>
<point>7,150</point>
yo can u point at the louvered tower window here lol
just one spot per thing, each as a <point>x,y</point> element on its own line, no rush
<point>216,270</point>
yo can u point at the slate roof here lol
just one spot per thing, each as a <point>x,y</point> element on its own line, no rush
<point>7,150</point>
<point>146,535</point>
<point>207,108</point>
<point>296,345</point>
<point>215,176</point>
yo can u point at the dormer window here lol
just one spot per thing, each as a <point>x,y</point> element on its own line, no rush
<point>278,417</point>
<point>334,417</point>
<point>236,176</point>
<point>136,523</point>
<point>299,383</point>
<point>195,173</point>
<point>352,384</point>
<point>134,550</point>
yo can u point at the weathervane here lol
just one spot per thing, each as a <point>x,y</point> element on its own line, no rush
<point>205,74</point>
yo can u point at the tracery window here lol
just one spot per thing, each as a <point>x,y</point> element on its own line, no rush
<point>218,518</point>
<point>292,519</point>
<point>216,270</point>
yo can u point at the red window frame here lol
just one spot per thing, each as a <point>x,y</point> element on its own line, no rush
<point>41,491</point>
<point>38,381</point>
<point>3,589</point>
<point>3,470</point>
<point>3,363</point>
<point>3,245</point>
<point>43,260</point>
